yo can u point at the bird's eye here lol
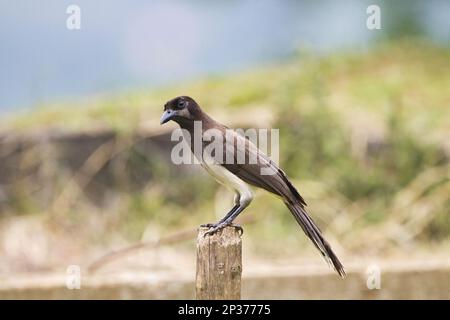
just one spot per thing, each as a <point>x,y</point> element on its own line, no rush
<point>181,104</point>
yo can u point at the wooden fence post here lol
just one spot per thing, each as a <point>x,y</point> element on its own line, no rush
<point>219,264</point>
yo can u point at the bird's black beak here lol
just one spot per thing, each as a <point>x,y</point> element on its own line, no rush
<point>166,116</point>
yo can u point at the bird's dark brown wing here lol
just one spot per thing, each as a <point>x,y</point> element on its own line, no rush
<point>252,173</point>
<point>278,184</point>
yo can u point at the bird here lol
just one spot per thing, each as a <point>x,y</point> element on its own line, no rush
<point>239,177</point>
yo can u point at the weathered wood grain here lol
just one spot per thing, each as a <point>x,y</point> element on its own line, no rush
<point>219,265</point>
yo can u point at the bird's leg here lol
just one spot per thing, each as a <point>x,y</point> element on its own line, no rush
<point>229,218</point>
<point>212,225</point>
<point>227,222</point>
<point>236,201</point>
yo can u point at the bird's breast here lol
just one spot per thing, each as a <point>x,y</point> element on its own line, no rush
<point>225,177</point>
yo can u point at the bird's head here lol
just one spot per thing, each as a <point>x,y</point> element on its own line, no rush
<point>181,110</point>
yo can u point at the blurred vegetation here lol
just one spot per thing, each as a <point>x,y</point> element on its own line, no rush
<point>365,136</point>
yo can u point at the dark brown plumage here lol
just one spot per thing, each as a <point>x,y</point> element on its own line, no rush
<point>185,111</point>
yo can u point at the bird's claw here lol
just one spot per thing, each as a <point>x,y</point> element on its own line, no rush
<point>214,228</point>
<point>219,226</point>
<point>208,225</point>
<point>239,228</point>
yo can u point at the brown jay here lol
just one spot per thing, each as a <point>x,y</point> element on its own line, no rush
<point>238,176</point>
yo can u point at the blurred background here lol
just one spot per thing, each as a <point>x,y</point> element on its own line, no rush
<point>85,172</point>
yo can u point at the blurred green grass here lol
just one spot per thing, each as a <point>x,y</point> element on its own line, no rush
<point>408,78</point>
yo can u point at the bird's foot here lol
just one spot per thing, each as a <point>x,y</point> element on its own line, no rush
<point>214,227</point>
<point>208,225</point>
<point>239,228</point>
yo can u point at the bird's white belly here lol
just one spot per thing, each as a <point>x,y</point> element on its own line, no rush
<point>228,179</point>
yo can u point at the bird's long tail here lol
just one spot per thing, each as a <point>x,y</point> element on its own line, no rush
<point>314,233</point>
